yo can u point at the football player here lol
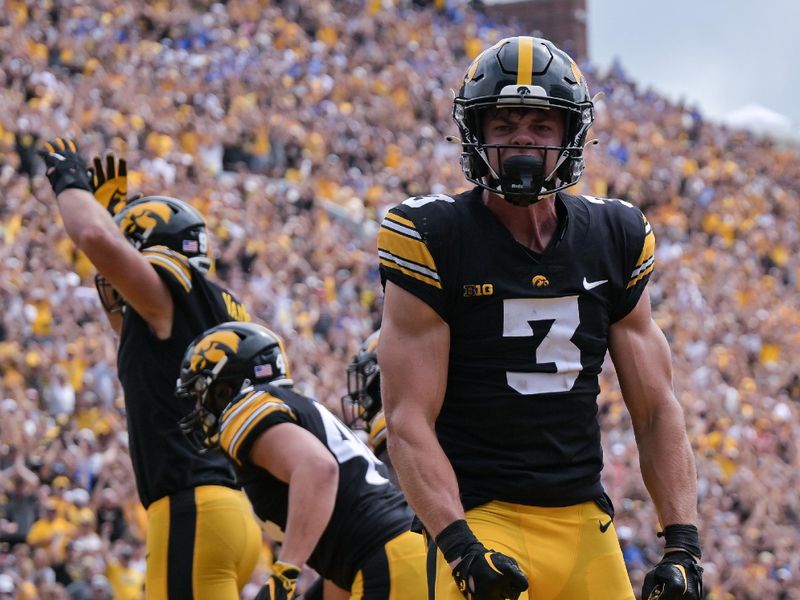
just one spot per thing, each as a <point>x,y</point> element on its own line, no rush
<point>500,305</point>
<point>153,259</point>
<point>302,469</point>
<point>361,406</point>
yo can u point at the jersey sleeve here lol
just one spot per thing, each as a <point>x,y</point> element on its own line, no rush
<point>247,419</point>
<point>173,268</point>
<point>413,251</point>
<point>640,246</point>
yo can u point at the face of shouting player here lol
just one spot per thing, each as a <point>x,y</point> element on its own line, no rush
<point>523,132</point>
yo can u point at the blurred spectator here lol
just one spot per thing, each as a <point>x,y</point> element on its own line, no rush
<point>59,394</point>
<point>51,533</point>
<point>7,587</point>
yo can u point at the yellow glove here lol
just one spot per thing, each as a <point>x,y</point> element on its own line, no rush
<point>110,186</point>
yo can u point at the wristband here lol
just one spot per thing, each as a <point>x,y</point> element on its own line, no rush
<point>455,539</point>
<point>684,537</point>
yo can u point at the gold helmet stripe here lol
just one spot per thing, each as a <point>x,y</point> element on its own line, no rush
<point>525,60</point>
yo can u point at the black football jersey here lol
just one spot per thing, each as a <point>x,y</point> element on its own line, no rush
<point>369,511</point>
<point>529,334</point>
<point>164,461</point>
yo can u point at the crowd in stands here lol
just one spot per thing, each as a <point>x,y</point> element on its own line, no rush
<point>293,126</point>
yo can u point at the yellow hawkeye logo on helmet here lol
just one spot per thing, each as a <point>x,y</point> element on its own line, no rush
<point>145,216</point>
<point>213,348</point>
<point>576,71</point>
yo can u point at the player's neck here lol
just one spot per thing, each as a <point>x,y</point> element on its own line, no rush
<point>532,226</point>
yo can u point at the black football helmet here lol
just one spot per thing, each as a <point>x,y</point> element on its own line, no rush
<point>523,72</point>
<point>164,221</point>
<point>363,399</point>
<point>218,365</point>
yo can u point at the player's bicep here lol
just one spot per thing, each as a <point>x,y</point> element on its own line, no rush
<point>641,357</point>
<point>413,353</point>
<point>285,447</point>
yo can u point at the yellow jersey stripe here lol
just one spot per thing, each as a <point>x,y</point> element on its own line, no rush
<point>244,416</point>
<point>377,432</point>
<point>408,249</point>
<point>177,269</point>
<point>392,262</point>
<point>257,416</point>
<point>646,261</point>
<point>401,220</point>
<point>525,61</point>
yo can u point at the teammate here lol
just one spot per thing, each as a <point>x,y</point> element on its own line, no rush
<point>153,259</point>
<point>500,304</point>
<point>361,406</point>
<point>302,469</point>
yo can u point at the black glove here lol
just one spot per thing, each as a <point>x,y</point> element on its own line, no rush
<point>65,166</point>
<point>281,584</point>
<point>677,576</point>
<point>481,574</point>
<point>110,185</point>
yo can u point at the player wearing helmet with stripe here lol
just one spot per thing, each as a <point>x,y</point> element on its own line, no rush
<point>500,304</point>
<point>302,469</point>
<point>153,260</point>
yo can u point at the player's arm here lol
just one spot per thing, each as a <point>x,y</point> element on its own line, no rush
<point>93,230</point>
<point>642,359</point>
<point>413,353</point>
<point>297,458</point>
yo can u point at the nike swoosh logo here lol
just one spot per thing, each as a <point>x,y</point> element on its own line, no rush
<point>604,526</point>
<point>590,285</point>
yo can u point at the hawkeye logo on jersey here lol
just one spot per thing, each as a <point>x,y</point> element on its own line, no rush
<point>214,348</point>
<point>540,281</point>
<point>478,289</point>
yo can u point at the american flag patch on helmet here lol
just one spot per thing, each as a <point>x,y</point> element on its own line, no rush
<point>263,371</point>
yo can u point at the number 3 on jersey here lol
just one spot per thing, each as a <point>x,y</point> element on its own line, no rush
<point>556,347</point>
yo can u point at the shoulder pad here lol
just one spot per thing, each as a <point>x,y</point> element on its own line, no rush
<point>244,415</point>
<point>177,265</point>
<point>606,201</point>
<point>418,201</point>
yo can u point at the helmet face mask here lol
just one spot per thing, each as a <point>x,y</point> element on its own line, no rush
<point>164,221</point>
<point>523,73</point>
<point>363,399</point>
<point>220,364</point>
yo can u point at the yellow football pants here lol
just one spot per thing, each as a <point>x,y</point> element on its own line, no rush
<point>396,573</point>
<point>202,544</point>
<point>568,553</point>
